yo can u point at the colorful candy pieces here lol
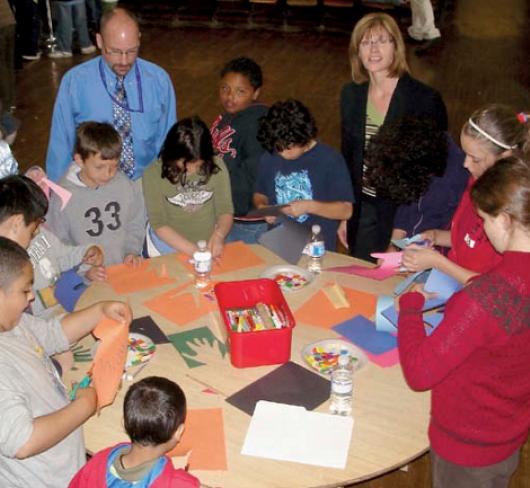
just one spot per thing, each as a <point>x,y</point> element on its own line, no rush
<point>322,360</point>
<point>290,281</point>
<point>140,351</point>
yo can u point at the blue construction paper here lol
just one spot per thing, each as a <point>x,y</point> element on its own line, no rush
<point>391,315</point>
<point>433,303</point>
<point>433,320</point>
<point>418,277</point>
<point>441,284</point>
<point>68,289</point>
<point>362,332</point>
<point>381,322</point>
<point>407,241</point>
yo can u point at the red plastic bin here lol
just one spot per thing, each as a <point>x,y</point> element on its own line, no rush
<point>264,346</point>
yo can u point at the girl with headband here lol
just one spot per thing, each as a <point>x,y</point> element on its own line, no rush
<point>477,361</point>
<point>490,134</point>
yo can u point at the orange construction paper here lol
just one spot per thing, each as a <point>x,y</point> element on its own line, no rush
<point>109,361</point>
<point>204,436</point>
<point>126,279</point>
<point>319,311</point>
<point>236,255</point>
<point>181,306</point>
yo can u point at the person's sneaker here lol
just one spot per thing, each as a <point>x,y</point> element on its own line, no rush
<point>88,50</point>
<point>59,54</point>
<point>31,57</point>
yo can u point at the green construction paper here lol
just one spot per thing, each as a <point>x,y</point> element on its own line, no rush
<point>181,342</point>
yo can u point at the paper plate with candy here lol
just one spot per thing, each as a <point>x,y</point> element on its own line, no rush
<point>323,355</point>
<point>141,349</point>
<point>288,277</point>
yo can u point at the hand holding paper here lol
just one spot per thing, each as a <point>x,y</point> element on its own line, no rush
<point>416,258</point>
<point>93,256</point>
<point>418,239</point>
<point>109,362</point>
<point>118,311</point>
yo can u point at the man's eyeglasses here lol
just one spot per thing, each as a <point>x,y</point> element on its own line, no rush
<point>116,53</point>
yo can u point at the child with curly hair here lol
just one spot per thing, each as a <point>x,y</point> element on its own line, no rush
<point>308,177</point>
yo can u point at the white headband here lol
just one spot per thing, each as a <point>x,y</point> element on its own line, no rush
<point>487,136</point>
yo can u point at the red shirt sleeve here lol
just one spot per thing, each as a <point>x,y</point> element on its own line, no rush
<point>427,360</point>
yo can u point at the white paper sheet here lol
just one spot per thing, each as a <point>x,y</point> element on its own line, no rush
<point>291,433</point>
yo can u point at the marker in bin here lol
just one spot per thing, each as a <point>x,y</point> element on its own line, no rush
<point>260,317</point>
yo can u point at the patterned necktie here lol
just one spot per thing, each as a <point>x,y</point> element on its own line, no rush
<point>122,123</point>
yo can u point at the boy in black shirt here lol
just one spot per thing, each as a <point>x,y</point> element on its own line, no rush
<point>234,139</point>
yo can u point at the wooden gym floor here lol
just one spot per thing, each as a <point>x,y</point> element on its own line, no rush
<point>483,58</point>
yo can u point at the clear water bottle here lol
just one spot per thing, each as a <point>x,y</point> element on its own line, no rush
<point>203,265</point>
<point>342,386</point>
<point>316,250</point>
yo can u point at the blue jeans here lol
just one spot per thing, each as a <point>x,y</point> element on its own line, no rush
<point>69,15</point>
<point>93,12</point>
<point>247,233</point>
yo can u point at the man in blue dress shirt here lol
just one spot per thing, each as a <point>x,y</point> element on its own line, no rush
<point>134,95</point>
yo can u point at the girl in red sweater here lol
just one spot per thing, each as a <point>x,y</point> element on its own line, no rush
<point>490,134</point>
<point>477,362</point>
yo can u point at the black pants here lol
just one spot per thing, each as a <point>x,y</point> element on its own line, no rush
<point>28,27</point>
<point>370,231</point>
<point>7,67</point>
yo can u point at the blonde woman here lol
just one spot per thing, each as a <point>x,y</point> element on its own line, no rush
<point>382,91</point>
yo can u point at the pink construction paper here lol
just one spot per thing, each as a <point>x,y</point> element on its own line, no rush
<point>378,273</point>
<point>391,260</point>
<point>385,360</point>
<point>63,194</point>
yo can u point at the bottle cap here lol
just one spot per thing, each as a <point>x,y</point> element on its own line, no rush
<point>315,228</point>
<point>344,358</point>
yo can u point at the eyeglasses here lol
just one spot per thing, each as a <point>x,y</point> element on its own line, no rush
<point>116,53</point>
<point>380,41</point>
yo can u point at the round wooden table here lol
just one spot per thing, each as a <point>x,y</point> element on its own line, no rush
<point>391,420</point>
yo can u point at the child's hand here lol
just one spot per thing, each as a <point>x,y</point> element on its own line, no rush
<point>93,256</point>
<point>429,236</point>
<point>416,258</point>
<point>215,245</point>
<point>297,208</point>
<point>35,173</point>
<point>132,260</point>
<point>270,219</point>
<point>89,396</point>
<point>97,273</point>
<point>119,311</point>
<point>342,233</point>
